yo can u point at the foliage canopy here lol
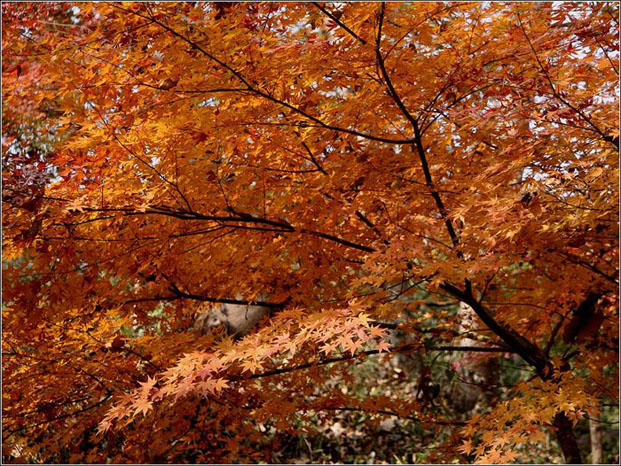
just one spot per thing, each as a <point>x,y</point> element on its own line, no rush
<point>343,165</point>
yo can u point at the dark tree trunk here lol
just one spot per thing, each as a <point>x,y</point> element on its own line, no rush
<point>567,439</point>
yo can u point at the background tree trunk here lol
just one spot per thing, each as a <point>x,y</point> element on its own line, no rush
<point>476,381</point>
<point>595,429</point>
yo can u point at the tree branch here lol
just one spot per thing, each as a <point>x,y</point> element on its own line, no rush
<point>527,350</point>
<point>178,294</point>
<point>613,140</point>
<point>340,23</point>
<point>417,134</point>
<point>284,227</point>
<point>253,88</point>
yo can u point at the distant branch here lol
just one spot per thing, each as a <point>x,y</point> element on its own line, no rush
<point>611,139</point>
<point>389,413</point>
<point>399,349</point>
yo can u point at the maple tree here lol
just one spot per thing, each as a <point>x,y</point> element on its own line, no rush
<point>341,165</point>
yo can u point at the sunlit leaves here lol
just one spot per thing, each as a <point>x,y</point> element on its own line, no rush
<point>160,159</point>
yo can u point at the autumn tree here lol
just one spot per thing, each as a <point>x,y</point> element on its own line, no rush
<point>357,169</point>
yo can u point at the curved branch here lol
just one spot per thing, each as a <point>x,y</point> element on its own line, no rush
<point>527,350</point>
